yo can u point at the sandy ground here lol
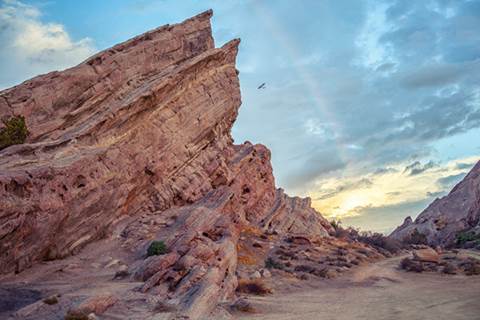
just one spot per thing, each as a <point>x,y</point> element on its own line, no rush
<point>87,274</point>
<point>376,291</point>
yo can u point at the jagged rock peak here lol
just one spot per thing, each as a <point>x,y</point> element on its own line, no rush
<point>116,71</point>
<point>444,218</point>
<point>114,135</point>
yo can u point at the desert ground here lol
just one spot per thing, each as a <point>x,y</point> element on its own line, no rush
<point>375,291</point>
<point>372,291</point>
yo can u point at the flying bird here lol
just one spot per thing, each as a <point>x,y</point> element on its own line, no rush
<point>262,86</point>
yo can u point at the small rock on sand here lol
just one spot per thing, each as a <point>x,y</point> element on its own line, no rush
<point>426,255</point>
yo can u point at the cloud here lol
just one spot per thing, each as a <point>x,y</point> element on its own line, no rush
<point>386,67</point>
<point>381,171</point>
<point>448,181</point>
<point>434,75</point>
<point>384,218</point>
<point>30,46</point>
<point>435,194</point>
<point>397,91</point>
<point>403,183</point>
<point>320,163</point>
<point>417,168</point>
<point>359,184</point>
<point>464,165</point>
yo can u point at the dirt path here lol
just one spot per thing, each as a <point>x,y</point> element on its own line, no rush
<point>376,291</point>
<point>370,292</point>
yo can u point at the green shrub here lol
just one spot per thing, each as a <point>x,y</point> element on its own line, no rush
<point>14,132</point>
<point>411,265</point>
<point>76,315</point>
<point>416,237</point>
<point>273,264</point>
<point>156,248</point>
<point>51,300</point>
<point>378,240</point>
<point>336,224</point>
<point>464,237</point>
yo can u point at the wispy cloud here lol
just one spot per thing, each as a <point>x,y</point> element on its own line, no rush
<point>448,181</point>
<point>417,167</point>
<point>30,46</point>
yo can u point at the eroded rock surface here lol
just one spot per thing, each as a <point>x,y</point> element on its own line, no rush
<point>138,138</point>
<point>445,218</point>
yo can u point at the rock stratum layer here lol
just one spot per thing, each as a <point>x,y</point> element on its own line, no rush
<point>142,131</point>
<point>444,218</point>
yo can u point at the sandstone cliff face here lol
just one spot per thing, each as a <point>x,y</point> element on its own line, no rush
<point>446,217</point>
<point>143,130</point>
<point>140,127</point>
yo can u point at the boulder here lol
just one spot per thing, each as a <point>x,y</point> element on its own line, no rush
<point>97,305</point>
<point>426,255</point>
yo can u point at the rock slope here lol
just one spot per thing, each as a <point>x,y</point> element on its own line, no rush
<point>442,220</point>
<point>142,131</point>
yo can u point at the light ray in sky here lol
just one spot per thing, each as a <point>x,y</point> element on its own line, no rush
<point>282,36</point>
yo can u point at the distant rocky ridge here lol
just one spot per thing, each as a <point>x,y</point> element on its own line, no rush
<point>139,135</point>
<point>445,218</point>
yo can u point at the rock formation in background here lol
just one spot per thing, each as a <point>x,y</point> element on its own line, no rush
<point>445,218</point>
<point>138,136</point>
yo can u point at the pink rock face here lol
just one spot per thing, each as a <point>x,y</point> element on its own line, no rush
<point>446,217</point>
<point>141,126</point>
<point>142,129</point>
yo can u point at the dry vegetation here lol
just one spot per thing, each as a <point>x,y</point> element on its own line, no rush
<point>255,287</point>
<point>376,240</point>
<point>448,264</point>
<point>14,132</point>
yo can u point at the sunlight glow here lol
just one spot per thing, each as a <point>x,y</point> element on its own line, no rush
<point>349,197</point>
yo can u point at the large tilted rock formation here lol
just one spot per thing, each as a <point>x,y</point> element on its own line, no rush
<point>446,217</point>
<point>143,129</point>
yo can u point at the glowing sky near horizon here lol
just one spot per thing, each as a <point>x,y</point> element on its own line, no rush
<point>371,108</point>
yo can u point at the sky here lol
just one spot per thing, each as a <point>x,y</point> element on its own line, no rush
<point>371,108</point>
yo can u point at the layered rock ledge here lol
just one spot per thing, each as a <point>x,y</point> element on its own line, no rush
<point>142,131</point>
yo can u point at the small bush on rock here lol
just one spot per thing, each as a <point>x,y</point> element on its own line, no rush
<point>76,315</point>
<point>163,307</point>
<point>341,232</point>
<point>378,240</point>
<point>471,267</point>
<point>411,265</point>
<point>256,287</point>
<point>51,300</point>
<point>156,248</point>
<point>450,268</point>
<point>336,224</point>
<point>416,237</point>
<point>325,273</point>
<point>14,132</point>
<point>464,237</point>
<point>270,263</point>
